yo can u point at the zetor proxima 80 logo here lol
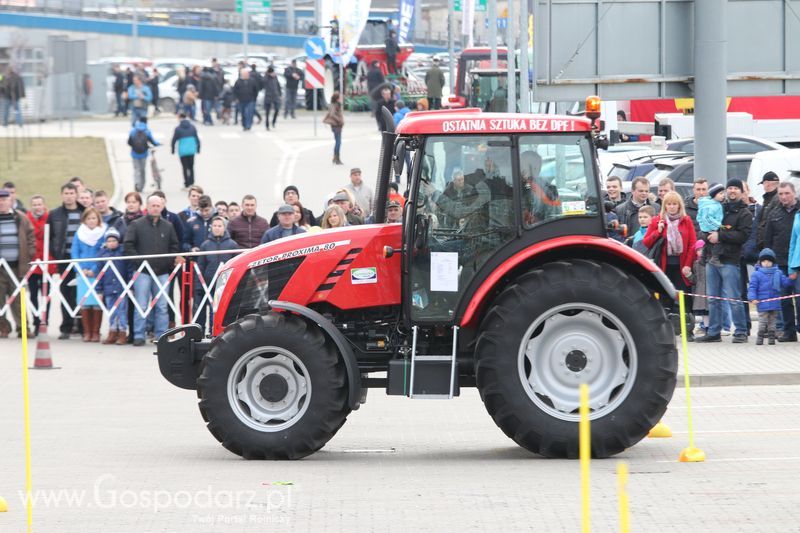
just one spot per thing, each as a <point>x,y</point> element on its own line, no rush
<point>507,124</point>
<point>308,250</point>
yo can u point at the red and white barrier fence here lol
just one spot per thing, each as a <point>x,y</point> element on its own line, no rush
<point>192,285</point>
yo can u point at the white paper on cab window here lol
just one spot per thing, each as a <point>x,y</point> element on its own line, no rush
<point>444,271</point>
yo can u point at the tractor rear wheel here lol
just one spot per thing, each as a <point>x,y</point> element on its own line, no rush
<point>271,387</point>
<point>568,323</point>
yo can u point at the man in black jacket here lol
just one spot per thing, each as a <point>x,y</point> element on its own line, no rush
<point>110,214</point>
<point>64,221</point>
<point>119,89</point>
<point>614,191</point>
<point>293,77</point>
<point>778,236</point>
<point>14,90</point>
<point>628,211</point>
<point>151,234</point>
<point>392,49</point>
<point>722,272</point>
<point>209,90</point>
<point>699,189</point>
<point>246,90</point>
<point>770,182</point>
<point>291,195</point>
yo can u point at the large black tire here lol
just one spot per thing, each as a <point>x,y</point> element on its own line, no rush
<point>308,353</point>
<point>503,358</point>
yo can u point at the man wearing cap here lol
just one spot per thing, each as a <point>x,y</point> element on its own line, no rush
<point>17,247</point>
<point>291,195</point>
<point>770,182</point>
<point>778,236</point>
<point>342,199</point>
<point>361,192</point>
<point>722,271</point>
<point>286,226</point>
<point>394,213</point>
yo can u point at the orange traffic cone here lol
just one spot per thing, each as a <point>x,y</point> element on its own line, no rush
<point>43,361</point>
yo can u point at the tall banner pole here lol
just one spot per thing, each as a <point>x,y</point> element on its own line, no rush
<point>245,23</point>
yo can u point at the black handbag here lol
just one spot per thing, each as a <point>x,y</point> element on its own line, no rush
<point>655,252</point>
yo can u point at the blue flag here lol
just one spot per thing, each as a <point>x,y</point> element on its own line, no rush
<point>406,20</point>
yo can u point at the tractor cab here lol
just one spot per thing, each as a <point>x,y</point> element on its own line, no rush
<point>484,188</point>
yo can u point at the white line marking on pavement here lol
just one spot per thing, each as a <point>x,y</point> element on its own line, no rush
<point>370,450</point>
<point>729,431</point>
<point>740,406</point>
<point>738,459</point>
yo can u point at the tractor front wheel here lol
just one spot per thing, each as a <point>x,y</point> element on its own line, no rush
<point>271,387</point>
<point>568,323</point>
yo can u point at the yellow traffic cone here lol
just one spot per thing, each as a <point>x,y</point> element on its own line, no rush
<point>3,505</point>
<point>692,455</point>
<point>660,431</point>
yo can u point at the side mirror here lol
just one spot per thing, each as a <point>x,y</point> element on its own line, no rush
<point>399,158</point>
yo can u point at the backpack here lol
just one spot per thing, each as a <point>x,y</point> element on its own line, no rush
<point>139,142</point>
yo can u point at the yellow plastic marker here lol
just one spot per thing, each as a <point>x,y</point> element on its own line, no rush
<point>660,431</point>
<point>690,454</point>
<point>3,505</point>
<point>23,296</point>
<point>585,447</point>
<point>622,490</point>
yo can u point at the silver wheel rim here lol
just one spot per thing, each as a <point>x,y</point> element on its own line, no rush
<point>269,389</point>
<point>572,344</point>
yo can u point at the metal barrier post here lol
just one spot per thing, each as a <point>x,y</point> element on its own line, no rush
<point>184,286</point>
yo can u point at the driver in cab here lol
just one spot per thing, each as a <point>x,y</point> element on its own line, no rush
<point>540,198</point>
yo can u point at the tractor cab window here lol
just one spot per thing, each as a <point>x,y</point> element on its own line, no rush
<point>464,214</point>
<point>557,177</point>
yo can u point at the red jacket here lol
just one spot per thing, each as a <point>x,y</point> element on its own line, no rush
<point>686,229</point>
<point>38,233</point>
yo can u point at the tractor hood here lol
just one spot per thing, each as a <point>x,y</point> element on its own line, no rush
<point>344,267</point>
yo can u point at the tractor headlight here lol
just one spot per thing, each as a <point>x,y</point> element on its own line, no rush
<point>219,288</point>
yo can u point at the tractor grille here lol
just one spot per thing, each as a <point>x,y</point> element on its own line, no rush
<point>336,275</point>
<point>260,285</point>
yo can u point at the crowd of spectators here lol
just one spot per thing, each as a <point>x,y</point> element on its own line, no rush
<point>85,226</point>
<point>720,242</point>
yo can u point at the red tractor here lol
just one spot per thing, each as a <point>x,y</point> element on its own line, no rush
<point>501,277</point>
<point>476,82</point>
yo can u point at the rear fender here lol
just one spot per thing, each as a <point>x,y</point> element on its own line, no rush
<point>571,247</point>
<point>350,362</point>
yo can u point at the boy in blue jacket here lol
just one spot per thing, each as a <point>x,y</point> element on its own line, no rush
<point>765,283</point>
<point>112,288</point>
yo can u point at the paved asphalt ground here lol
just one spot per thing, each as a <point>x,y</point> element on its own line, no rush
<point>233,162</point>
<point>118,449</point>
<point>127,452</point>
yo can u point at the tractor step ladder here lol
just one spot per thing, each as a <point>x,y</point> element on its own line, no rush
<point>433,358</point>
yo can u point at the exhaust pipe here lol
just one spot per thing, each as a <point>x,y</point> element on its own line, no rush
<point>385,169</point>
